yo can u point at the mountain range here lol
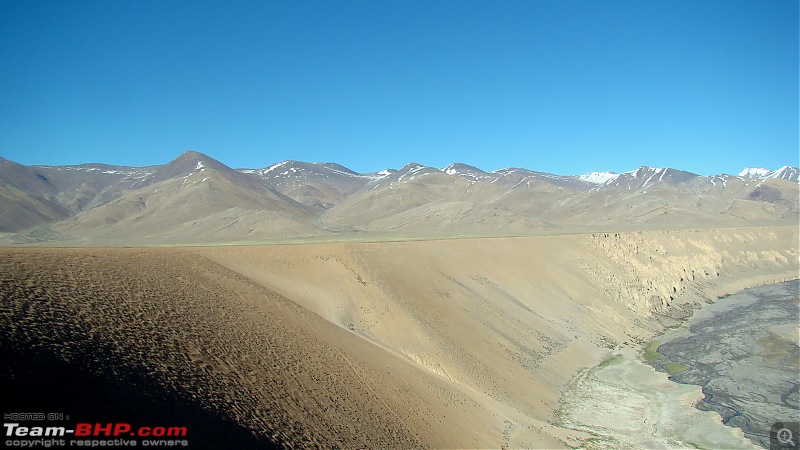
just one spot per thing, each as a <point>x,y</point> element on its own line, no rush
<point>197,199</point>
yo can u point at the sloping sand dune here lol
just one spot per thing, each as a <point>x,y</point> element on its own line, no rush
<point>451,344</point>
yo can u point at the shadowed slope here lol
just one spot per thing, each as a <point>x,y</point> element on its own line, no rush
<point>174,324</point>
<point>37,378</point>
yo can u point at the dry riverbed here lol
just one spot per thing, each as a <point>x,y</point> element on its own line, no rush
<point>624,403</point>
<point>734,362</point>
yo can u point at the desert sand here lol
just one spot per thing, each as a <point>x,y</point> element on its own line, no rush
<point>451,343</point>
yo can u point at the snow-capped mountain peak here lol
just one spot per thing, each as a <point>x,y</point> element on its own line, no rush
<point>598,177</point>
<point>784,173</point>
<point>645,170</point>
<point>754,172</point>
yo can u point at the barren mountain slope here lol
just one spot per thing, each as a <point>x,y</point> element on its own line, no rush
<point>320,186</point>
<point>667,208</point>
<point>20,210</point>
<point>26,199</point>
<point>88,185</point>
<point>106,204</point>
<point>419,199</point>
<point>204,205</point>
<point>465,200</point>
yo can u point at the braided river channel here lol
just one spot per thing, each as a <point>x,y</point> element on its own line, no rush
<point>720,380</point>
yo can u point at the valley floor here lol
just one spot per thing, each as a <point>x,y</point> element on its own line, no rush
<point>624,403</point>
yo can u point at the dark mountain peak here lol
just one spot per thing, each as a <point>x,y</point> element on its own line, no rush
<point>467,172</point>
<point>411,165</point>
<point>191,156</point>
<point>292,167</point>
<point>409,172</point>
<point>189,161</point>
<point>385,173</point>
<point>412,168</point>
<point>510,170</point>
<point>337,168</point>
<point>284,165</point>
<point>461,168</point>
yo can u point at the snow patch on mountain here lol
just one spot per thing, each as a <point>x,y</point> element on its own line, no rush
<point>132,172</point>
<point>273,167</point>
<point>378,176</point>
<point>412,172</point>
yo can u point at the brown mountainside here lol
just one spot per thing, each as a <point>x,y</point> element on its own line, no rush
<point>195,198</point>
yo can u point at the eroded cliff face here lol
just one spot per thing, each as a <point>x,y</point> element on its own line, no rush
<point>671,272</point>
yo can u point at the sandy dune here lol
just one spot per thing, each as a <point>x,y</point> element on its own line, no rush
<point>462,343</point>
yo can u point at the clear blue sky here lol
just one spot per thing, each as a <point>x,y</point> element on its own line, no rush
<point>559,86</point>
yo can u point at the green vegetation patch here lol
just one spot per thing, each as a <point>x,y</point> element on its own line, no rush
<point>610,361</point>
<point>675,368</point>
<point>650,353</point>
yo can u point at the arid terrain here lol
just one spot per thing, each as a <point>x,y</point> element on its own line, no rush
<point>450,343</point>
<point>399,225</point>
<point>195,199</point>
<point>307,305</point>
